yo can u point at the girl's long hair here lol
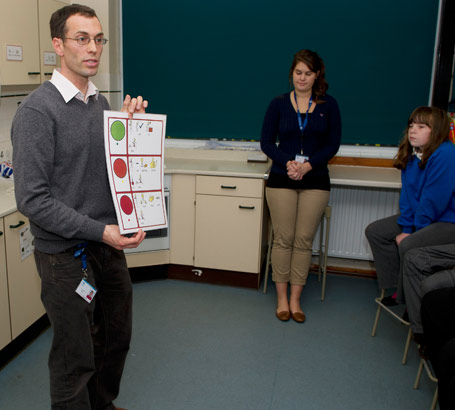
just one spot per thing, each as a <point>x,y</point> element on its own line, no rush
<point>438,121</point>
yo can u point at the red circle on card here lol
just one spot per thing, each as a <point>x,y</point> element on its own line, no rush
<point>126,204</point>
<point>120,167</point>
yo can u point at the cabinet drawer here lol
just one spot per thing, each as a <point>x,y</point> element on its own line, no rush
<point>229,186</point>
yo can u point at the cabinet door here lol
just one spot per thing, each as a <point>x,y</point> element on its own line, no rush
<point>5,324</point>
<point>47,53</point>
<point>19,28</point>
<point>24,284</point>
<point>182,219</point>
<point>228,233</point>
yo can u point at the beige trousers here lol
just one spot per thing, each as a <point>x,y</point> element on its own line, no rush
<point>295,216</point>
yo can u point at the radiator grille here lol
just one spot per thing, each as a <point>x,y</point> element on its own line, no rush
<point>353,208</point>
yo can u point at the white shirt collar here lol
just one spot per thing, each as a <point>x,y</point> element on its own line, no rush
<point>418,154</point>
<point>69,91</point>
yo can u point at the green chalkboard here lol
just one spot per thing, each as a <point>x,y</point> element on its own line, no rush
<point>213,67</point>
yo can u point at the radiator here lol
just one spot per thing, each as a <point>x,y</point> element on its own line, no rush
<point>353,208</point>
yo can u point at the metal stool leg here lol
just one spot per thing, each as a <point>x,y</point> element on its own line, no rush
<point>424,365</point>
<point>321,253</point>
<point>269,252</point>
<point>378,313</point>
<point>406,347</point>
<point>328,214</point>
<point>419,375</point>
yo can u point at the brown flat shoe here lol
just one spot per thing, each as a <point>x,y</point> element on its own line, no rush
<point>299,317</point>
<point>284,315</point>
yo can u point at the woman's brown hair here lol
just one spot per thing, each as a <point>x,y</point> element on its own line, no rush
<point>315,64</point>
<point>438,121</point>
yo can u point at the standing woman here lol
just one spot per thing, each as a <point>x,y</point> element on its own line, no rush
<point>307,124</point>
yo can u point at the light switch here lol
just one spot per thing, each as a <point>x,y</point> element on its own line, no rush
<point>50,58</point>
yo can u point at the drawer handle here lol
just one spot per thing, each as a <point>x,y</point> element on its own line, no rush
<point>20,223</point>
<point>228,187</point>
<point>246,207</point>
<point>47,73</point>
<point>1,233</point>
<point>34,73</point>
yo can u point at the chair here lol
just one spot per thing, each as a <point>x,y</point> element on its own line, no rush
<point>400,319</point>
<point>425,365</point>
<point>323,250</point>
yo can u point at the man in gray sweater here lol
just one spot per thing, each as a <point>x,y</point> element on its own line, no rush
<point>61,185</point>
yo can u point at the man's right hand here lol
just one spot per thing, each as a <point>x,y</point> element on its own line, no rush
<point>114,238</point>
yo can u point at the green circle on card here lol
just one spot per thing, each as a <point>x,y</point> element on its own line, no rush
<point>117,130</point>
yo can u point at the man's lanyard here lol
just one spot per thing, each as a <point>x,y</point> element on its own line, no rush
<point>80,253</point>
<point>303,125</point>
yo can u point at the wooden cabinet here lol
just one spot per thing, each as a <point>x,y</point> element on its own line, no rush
<point>45,10</point>
<point>24,284</point>
<point>217,222</point>
<point>24,25</point>
<point>228,223</point>
<point>182,219</point>
<point>19,28</point>
<point>5,324</point>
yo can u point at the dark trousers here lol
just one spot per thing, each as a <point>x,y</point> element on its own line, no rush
<point>90,341</point>
<point>438,318</point>
<point>424,270</point>
<point>388,257</point>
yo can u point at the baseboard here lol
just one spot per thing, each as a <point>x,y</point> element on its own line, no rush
<point>214,276</point>
<point>18,344</point>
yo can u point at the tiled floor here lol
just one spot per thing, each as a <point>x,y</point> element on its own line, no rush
<point>207,347</point>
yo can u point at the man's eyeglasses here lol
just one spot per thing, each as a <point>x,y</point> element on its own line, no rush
<point>84,40</point>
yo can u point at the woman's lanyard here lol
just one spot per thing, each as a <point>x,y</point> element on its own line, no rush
<point>302,125</point>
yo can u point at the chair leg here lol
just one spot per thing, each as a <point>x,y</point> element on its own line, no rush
<point>328,212</point>
<point>321,253</point>
<point>378,313</point>
<point>406,347</point>
<point>435,400</point>
<point>267,266</point>
<point>419,375</point>
<point>424,365</point>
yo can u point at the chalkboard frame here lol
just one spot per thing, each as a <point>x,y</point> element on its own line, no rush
<point>214,67</point>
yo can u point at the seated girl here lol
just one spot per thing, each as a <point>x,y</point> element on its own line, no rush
<point>426,158</point>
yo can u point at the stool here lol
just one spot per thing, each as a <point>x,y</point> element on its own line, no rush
<point>400,319</point>
<point>323,250</point>
<point>424,365</point>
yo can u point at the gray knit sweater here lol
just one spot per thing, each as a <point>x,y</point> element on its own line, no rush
<point>60,174</point>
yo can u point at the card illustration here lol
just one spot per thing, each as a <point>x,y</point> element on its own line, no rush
<point>134,157</point>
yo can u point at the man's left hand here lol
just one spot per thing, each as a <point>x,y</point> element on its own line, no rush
<point>134,105</point>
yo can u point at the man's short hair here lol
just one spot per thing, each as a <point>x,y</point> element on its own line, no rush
<point>59,17</point>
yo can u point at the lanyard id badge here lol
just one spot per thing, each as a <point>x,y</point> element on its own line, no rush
<point>85,290</point>
<point>301,158</point>
<point>304,123</point>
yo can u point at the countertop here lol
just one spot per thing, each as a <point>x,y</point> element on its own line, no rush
<point>242,169</point>
<point>7,200</point>
<point>373,177</point>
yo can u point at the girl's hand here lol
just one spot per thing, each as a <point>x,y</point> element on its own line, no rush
<point>400,237</point>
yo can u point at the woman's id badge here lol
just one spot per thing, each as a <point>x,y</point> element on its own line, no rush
<point>301,158</point>
<point>86,291</point>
